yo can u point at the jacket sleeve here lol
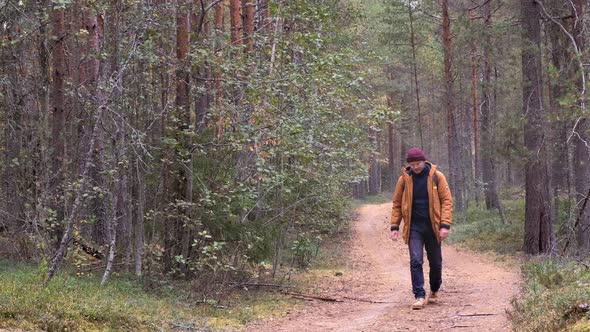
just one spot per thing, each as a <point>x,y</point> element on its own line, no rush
<point>446,202</point>
<point>396,211</point>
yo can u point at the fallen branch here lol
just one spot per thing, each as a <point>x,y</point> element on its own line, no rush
<point>312,297</point>
<point>254,284</point>
<point>475,315</point>
<point>363,300</point>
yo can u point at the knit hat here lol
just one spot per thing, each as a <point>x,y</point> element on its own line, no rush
<point>415,154</point>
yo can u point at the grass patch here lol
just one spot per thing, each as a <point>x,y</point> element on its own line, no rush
<point>78,303</point>
<point>483,230</point>
<point>556,293</point>
<point>556,297</point>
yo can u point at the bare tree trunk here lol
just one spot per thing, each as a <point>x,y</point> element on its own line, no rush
<point>539,235</point>
<point>374,174</point>
<point>220,121</point>
<point>235,22</point>
<point>582,131</point>
<point>78,201</point>
<point>475,103</point>
<point>416,83</point>
<point>582,183</point>
<point>391,144</point>
<point>264,20</point>
<point>13,99</point>
<point>139,225</point>
<point>488,164</point>
<point>393,153</point>
<point>248,18</point>
<point>58,112</point>
<point>453,146</point>
<point>203,74</point>
<point>560,57</point>
<point>112,238</point>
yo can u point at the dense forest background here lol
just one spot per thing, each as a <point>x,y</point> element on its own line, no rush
<point>207,140</point>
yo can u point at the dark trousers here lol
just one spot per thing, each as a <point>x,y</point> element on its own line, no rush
<point>424,237</point>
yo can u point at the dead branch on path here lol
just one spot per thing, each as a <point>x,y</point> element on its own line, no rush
<point>364,300</point>
<point>255,284</point>
<point>312,297</point>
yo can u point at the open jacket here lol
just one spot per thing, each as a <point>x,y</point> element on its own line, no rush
<point>439,200</point>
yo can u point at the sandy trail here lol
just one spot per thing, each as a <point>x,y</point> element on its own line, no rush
<point>475,294</point>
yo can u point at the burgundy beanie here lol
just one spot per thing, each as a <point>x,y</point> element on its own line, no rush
<point>415,154</point>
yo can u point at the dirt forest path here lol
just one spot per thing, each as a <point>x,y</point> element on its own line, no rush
<point>475,294</point>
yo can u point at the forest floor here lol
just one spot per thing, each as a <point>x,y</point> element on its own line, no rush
<point>373,284</point>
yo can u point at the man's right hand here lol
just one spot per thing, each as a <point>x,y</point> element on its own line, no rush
<point>394,235</point>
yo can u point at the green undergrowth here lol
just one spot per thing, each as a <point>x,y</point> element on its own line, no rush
<point>556,297</point>
<point>483,230</point>
<point>79,303</point>
<point>555,294</point>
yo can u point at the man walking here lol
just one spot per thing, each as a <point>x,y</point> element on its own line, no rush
<point>422,198</point>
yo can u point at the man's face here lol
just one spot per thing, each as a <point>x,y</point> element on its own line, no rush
<point>417,166</point>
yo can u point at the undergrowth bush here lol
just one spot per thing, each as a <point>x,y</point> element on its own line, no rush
<point>483,229</point>
<point>72,303</point>
<point>556,297</point>
<point>78,303</point>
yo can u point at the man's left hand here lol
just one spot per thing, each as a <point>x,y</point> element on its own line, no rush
<point>444,233</point>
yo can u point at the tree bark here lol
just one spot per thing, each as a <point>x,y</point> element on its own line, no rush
<point>582,131</point>
<point>538,237</point>
<point>235,22</point>
<point>416,83</point>
<point>14,99</point>
<point>560,57</point>
<point>248,7</point>
<point>487,121</point>
<point>220,121</point>
<point>58,112</point>
<point>475,104</point>
<point>374,173</point>
<point>452,141</point>
<point>139,217</point>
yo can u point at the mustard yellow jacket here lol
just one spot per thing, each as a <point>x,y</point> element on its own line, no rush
<point>440,201</point>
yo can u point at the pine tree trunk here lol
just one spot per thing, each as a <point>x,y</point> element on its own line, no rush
<point>248,7</point>
<point>452,141</point>
<point>58,112</point>
<point>487,122</point>
<point>374,174</point>
<point>11,69</point>
<point>235,23</point>
<point>475,104</point>
<point>220,121</point>
<point>139,217</point>
<point>582,130</point>
<point>538,236</point>
<point>416,82</point>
